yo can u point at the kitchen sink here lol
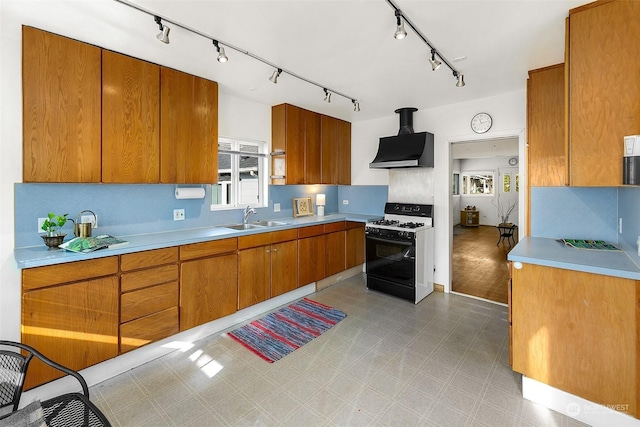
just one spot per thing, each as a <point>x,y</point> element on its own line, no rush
<point>242,226</point>
<point>269,223</point>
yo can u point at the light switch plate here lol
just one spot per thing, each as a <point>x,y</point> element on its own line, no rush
<point>178,214</point>
<point>345,202</point>
<point>276,207</point>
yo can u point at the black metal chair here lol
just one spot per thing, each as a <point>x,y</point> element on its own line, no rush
<point>67,410</point>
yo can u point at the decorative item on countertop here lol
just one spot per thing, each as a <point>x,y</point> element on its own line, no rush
<point>51,225</point>
<point>83,229</point>
<point>90,244</point>
<point>503,212</point>
<point>599,245</point>
<point>321,200</point>
<point>302,206</point>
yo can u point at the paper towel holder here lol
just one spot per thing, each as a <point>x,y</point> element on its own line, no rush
<point>189,193</point>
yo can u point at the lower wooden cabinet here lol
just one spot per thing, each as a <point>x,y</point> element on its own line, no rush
<point>284,267</point>
<point>311,253</point>
<point>355,244</point>
<point>335,246</point>
<point>577,332</point>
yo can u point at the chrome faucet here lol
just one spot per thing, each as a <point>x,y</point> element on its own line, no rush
<point>248,211</point>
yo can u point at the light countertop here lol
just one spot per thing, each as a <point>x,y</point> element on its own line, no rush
<point>551,253</point>
<point>38,256</point>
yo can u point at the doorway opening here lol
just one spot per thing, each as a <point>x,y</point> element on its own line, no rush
<point>484,195</point>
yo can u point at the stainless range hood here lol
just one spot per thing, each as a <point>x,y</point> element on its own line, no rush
<point>407,149</point>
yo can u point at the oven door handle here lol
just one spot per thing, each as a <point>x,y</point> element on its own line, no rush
<point>400,242</point>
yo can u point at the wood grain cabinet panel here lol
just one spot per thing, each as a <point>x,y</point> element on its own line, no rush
<point>284,267</point>
<point>61,108</point>
<point>254,276</point>
<point>312,148</point>
<point>74,324</point>
<point>577,332</point>
<point>148,329</point>
<point>208,289</point>
<point>287,136</point>
<point>41,277</point>
<point>336,151</point>
<point>207,249</point>
<point>189,128</point>
<point>310,259</point>
<point>130,119</point>
<point>334,252</point>
<point>343,136</point>
<point>604,89</point>
<point>146,301</point>
<point>145,259</point>
<point>355,242</point>
<point>545,127</point>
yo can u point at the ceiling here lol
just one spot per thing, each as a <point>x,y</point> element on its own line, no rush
<point>345,45</point>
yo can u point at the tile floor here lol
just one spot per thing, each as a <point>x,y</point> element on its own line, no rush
<point>443,362</point>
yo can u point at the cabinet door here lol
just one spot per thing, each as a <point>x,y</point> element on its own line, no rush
<point>334,252</point>
<point>545,127</point>
<point>343,137</point>
<point>75,325</point>
<point>604,87</point>
<point>329,127</point>
<point>61,108</point>
<point>312,148</point>
<point>284,267</point>
<point>576,331</point>
<point>189,128</point>
<point>130,119</point>
<point>208,289</point>
<point>310,260</point>
<point>287,134</point>
<point>355,246</point>
<point>254,276</point>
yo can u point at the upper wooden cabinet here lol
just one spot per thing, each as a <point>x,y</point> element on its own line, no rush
<point>61,108</point>
<point>336,151</point>
<point>288,137</point>
<point>130,119</point>
<point>604,89</point>
<point>189,128</point>
<point>545,127</point>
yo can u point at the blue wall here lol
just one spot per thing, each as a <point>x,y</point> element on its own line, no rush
<point>148,208</point>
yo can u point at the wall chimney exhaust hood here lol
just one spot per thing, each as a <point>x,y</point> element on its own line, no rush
<point>407,149</point>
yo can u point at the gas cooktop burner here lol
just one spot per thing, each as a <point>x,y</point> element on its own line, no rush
<point>411,224</point>
<point>385,222</point>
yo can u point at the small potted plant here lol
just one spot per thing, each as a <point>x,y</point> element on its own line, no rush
<point>51,225</point>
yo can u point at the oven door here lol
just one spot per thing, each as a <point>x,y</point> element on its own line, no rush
<point>391,260</point>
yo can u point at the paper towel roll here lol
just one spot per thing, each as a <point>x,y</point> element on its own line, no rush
<point>190,193</point>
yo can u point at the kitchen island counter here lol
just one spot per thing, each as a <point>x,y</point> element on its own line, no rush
<point>552,253</point>
<point>38,256</point>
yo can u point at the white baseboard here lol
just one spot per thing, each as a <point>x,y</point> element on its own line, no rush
<point>575,407</point>
<point>125,362</point>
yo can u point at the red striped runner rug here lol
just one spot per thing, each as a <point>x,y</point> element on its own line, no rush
<point>281,332</point>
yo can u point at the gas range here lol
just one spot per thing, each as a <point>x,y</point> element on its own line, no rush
<point>402,221</point>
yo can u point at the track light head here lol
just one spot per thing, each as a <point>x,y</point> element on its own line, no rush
<point>274,77</point>
<point>327,96</point>
<point>356,105</point>
<point>460,78</point>
<point>435,64</point>
<point>163,35</point>
<point>400,31</point>
<point>222,58</point>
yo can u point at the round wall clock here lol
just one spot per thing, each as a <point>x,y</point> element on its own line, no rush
<point>513,161</point>
<point>481,122</point>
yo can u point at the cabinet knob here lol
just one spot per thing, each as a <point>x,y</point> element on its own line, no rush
<point>517,265</point>
<point>268,251</point>
<point>275,250</point>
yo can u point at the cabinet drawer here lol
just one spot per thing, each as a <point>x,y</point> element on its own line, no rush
<point>152,276</point>
<point>148,329</point>
<point>314,230</point>
<point>145,259</point>
<point>40,277</point>
<point>148,301</point>
<point>266,238</point>
<point>354,224</point>
<point>334,226</point>
<point>214,247</point>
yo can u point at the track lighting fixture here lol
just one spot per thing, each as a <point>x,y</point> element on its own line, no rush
<point>400,31</point>
<point>222,58</point>
<point>435,64</point>
<point>327,96</point>
<point>274,77</point>
<point>163,35</point>
<point>356,105</point>
<point>401,18</point>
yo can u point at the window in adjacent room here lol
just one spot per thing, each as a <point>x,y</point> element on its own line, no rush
<point>456,184</point>
<point>242,166</point>
<point>477,183</point>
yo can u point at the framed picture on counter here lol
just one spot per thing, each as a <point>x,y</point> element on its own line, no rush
<point>302,206</point>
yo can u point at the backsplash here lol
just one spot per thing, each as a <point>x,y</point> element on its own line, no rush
<point>127,209</point>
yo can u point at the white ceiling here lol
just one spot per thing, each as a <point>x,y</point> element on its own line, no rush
<point>346,45</point>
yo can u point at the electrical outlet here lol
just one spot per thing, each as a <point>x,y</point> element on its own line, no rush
<point>276,207</point>
<point>345,202</point>
<point>40,222</point>
<point>620,225</point>
<point>178,214</point>
<point>89,218</point>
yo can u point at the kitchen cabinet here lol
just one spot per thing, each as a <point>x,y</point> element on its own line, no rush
<point>546,142</point>
<point>577,332</point>
<point>311,254</point>
<point>267,266</point>
<point>208,281</point>
<point>189,128</point>
<point>335,245</point>
<point>336,151</point>
<point>70,313</point>
<point>60,109</point>
<point>149,297</point>
<point>355,244</point>
<point>469,218</point>
<point>130,119</point>
<point>288,136</point>
<point>604,89</point>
